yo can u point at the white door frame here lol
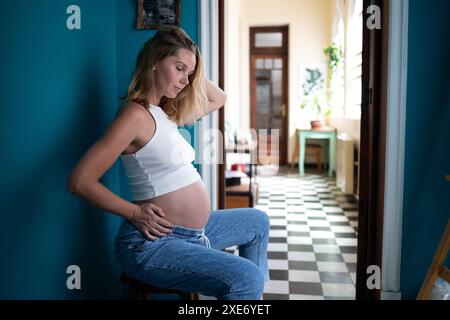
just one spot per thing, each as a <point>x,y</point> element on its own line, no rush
<point>395,149</point>
<point>208,44</point>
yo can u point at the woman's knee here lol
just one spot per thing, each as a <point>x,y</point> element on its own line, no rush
<point>249,286</point>
<point>262,219</point>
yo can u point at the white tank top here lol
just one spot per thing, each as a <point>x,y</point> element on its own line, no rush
<point>163,164</point>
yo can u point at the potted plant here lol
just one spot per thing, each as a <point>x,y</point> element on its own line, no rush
<point>313,95</point>
<point>334,60</point>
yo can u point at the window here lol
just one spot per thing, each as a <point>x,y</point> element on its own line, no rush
<point>347,80</point>
<point>338,80</point>
<point>268,39</point>
<point>354,63</point>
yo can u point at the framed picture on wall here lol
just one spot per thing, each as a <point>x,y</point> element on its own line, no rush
<point>153,14</point>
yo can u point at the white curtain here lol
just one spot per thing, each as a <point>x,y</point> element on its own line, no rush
<point>350,10</point>
<point>351,7</point>
<point>338,21</point>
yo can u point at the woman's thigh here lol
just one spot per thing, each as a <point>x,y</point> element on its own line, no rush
<point>194,268</point>
<point>240,226</point>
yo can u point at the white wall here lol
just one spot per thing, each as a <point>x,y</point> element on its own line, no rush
<point>310,25</point>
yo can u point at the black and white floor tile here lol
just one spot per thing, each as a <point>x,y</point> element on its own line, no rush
<point>313,237</point>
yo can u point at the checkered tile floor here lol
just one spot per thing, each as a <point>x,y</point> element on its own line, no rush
<point>313,237</point>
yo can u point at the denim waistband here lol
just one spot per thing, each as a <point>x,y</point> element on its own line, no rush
<point>177,231</point>
<point>190,232</point>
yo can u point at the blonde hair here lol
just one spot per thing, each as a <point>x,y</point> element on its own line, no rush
<point>191,103</point>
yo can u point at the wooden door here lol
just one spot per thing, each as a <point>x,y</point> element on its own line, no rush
<point>268,92</point>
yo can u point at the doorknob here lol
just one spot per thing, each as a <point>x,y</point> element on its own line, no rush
<point>447,177</point>
<point>283,110</point>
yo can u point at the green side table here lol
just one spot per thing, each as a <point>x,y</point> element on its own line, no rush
<point>321,133</point>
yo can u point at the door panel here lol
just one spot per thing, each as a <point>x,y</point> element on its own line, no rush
<point>269,107</point>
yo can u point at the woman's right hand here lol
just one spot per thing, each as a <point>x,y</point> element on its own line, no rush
<point>149,219</point>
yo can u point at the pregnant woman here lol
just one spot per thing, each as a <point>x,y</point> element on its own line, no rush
<point>169,237</point>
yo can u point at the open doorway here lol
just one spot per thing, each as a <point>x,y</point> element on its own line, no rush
<point>339,26</point>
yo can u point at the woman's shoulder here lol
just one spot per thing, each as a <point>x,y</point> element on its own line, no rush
<point>136,115</point>
<point>133,110</point>
<point>132,107</point>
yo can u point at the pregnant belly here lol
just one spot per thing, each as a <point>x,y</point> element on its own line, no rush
<point>188,206</point>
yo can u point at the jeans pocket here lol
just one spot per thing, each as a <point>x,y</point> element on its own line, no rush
<point>137,246</point>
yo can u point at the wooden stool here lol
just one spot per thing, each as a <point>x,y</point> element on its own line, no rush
<point>140,290</point>
<point>437,267</point>
<point>317,151</point>
<point>309,149</point>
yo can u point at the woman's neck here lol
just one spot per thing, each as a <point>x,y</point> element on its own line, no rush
<point>153,98</point>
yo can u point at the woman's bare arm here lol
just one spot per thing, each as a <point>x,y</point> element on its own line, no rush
<point>84,179</point>
<point>216,96</point>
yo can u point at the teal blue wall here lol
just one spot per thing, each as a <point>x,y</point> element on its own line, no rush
<point>59,91</point>
<point>426,207</point>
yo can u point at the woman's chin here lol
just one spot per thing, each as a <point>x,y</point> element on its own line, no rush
<point>171,96</point>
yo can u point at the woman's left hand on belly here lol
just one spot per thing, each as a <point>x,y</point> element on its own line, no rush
<point>149,219</point>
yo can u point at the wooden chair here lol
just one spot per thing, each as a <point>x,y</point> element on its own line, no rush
<point>437,267</point>
<point>141,291</point>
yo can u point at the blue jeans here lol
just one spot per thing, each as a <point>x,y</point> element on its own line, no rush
<point>192,259</point>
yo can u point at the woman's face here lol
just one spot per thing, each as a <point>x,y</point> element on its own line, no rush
<point>172,73</point>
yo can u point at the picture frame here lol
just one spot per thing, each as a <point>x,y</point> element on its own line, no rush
<point>152,14</point>
<point>306,71</point>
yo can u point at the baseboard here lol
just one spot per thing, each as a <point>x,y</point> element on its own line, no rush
<point>390,295</point>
